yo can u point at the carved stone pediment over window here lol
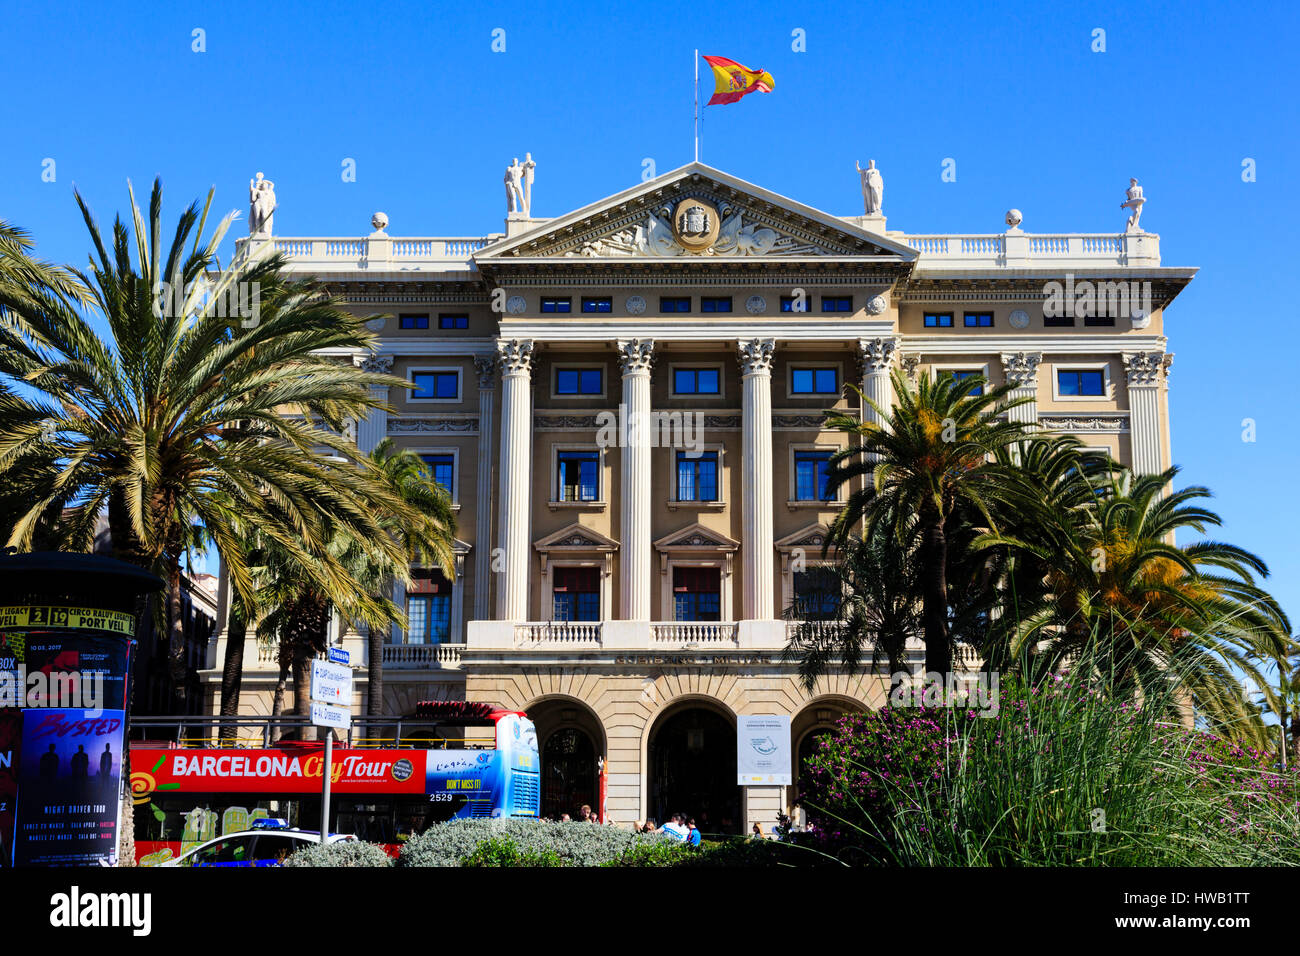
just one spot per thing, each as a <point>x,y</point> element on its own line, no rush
<point>576,540</point>
<point>696,540</point>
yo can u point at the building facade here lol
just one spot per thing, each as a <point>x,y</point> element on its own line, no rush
<point>626,405</point>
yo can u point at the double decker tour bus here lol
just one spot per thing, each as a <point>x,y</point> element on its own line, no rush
<point>383,789</point>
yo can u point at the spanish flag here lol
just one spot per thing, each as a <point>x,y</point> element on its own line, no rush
<point>733,80</point>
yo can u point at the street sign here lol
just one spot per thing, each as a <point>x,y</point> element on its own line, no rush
<point>331,683</point>
<point>327,715</point>
<point>763,750</point>
<point>339,656</point>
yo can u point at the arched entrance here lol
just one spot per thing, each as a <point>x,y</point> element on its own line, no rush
<point>692,762</point>
<point>816,720</point>
<point>571,740</point>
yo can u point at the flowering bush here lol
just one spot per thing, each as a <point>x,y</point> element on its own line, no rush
<point>574,844</point>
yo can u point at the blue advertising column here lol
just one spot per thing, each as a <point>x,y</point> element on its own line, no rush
<point>67,625</point>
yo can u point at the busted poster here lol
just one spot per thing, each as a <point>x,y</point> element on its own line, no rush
<point>68,796</point>
<point>11,724</point>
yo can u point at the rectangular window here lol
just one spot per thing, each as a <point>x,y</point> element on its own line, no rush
<point>579,381</point>
<point>795,303</point>
<point>669,303</point>
<point>968,373</point>
<point>579,475</point>
<point>715,304</point>
<point>697,594</point>
<point>600,303</point>
<point>428,608</point>
<point>817,594</point>
<point>575,594</point>
<point>837,303</point>
<point>442,469</point>
<point>810,480</point>
<point>413,321</point>
<point>1099,321</point>
<point>978,320</point>
<point>938,320</point>
<point>453,321</point>
<point>1072,382</point>
<point>814,381</point>
<point>697,478</point>
<point>436,385</point>
<point>1058,321</point>
<point>696,381</point>
<point>553,304</point>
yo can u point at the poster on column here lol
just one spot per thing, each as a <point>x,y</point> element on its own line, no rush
<point>763,750</point>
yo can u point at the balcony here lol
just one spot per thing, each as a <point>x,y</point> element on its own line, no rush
<point>423,656</point>
<point>1022,250</point>
<point>376,253</point>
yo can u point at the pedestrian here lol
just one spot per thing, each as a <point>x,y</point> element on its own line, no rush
<point>676,828</point>
<point>693,835</point>
<point>565,818</point>
<point>649,826</point>
<point>756,833</point>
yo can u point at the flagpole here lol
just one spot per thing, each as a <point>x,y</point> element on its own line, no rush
<point>697,106</point>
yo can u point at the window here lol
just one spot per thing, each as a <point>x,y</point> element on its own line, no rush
<point>579,475</point>
<point>1099,321</point>
<point>817,594</point>
<point>1058,321</point>
<point>413,321</point>
<point>810,475</point>
<point>715,304</point>
<point>436,385</point>
<point>978,320</point>
<point>960,374</point>
<point>601,303</point>
<point>442,469</point>
<point>1076,382</point>
<point>814,381</point>
<point>579,381</point>
<point>837,303</point>
<point>794,303</point>
<point>674,303</point>
<point>938,320</point>
<point>575,594</point>
<point>453,321</point>
<point>555,305</point>
<point>428,609</point>
<point>697,594</point>
<point>697,478</point>
<point>696,381</point>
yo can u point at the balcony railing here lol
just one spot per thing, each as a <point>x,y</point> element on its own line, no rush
<point>695,632</point>
<point>375,253</point>
<point>428,656</point>
<point>567,633</point>
<point>1022,249</point>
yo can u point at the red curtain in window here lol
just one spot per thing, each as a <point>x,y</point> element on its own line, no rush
<point>697,580</point>
<point>577,580</point>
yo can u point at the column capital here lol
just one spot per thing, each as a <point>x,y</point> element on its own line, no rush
<point>1021,368</point>
<point>1147,369</point>
<point>636,355</point>
<point>515,355</point>
<point>375,364</point>
<point>877,355</point>
<point>755,356</point>
<point>911,364</point>
<point>486,367</point>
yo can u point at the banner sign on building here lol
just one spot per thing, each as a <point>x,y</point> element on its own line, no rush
<point>763,750</point>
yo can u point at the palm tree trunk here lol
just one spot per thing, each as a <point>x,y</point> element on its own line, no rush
<point>934,561</point>
<point>302,688</point>
<point>375,683</point>
<point>277,699</point>
<point>176,669</point>
<point>232,672</point>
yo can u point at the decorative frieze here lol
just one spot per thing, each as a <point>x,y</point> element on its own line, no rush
<point>1104,423</point>
<point>405,426</point>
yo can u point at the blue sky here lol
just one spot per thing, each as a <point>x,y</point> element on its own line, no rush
<point>1035,119</point>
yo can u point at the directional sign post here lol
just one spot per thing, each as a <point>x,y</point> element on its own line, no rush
<point>331,707</point>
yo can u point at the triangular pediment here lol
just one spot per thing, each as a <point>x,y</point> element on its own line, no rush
<point>576,537</point>
<point>696,536</point>
<point>814,536</point>
<point>696,212</point>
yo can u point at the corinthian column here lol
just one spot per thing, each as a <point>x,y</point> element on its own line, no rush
<point>877,357</point>
<point>756,478</point>
<point>1021,370</point>
<point>514,521</point>
<point>1147,373</point>
<point>373,429</point>
<point>485,366</point>
<point>635,356</point>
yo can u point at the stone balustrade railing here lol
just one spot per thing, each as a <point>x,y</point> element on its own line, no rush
<point>374,253</point>
<point>694,632</point>
<point>1022,249</point>
<point>440,656</point>
<point>558,632</point>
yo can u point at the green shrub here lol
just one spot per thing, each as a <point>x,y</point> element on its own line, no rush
<point>576,844</point>
<point>348,853</point>
<point>501,851</point>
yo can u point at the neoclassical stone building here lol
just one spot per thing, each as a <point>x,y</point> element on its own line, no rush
<point>625,403</point>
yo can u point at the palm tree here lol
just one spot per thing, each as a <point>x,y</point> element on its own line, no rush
<point>1148,611</point>
<point>183,416</point>
<point>929,455</point>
